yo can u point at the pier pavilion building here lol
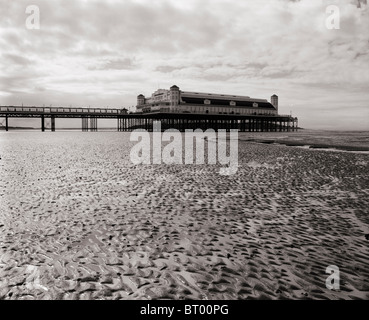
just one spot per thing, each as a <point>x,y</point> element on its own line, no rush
<point>176,100</point>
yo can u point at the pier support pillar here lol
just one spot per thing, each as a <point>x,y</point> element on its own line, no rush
<point>121,124</point>
<point>42,123</point>
<point>6,123</point>
<point>52,123</point>
<point>84,124</point>
<point>93,124</point>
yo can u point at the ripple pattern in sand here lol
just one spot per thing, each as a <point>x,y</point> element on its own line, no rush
<point>78,221</point>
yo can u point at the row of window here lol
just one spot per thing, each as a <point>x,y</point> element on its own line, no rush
<point>226,110</point>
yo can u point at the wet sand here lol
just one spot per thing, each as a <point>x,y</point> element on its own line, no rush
<point>314,139</point>
<point>79,221</point>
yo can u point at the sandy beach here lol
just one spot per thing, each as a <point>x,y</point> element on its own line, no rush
<point>79,221</point>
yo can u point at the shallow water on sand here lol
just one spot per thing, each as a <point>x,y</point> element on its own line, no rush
<point>79,221</point>
<point>354,141</point>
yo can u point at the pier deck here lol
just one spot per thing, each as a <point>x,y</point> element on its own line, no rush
<point>131,121</point>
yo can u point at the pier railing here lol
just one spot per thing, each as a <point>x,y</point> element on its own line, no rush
<point>33,109</point>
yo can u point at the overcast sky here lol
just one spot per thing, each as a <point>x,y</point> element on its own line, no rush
<point>104,53</point>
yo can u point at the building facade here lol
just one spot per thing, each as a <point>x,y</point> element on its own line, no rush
<point>175,100</point>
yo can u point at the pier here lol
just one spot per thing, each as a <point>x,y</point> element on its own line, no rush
<point>169,120</point>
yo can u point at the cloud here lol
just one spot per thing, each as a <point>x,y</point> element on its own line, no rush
<point>100,52</point>
<point>167,69</point>
<point>16,59</point>
<point>115,64</point>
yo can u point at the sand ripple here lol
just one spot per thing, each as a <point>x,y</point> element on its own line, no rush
<point>78,221</point>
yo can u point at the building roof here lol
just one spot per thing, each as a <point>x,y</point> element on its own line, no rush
<point>212,95</point>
